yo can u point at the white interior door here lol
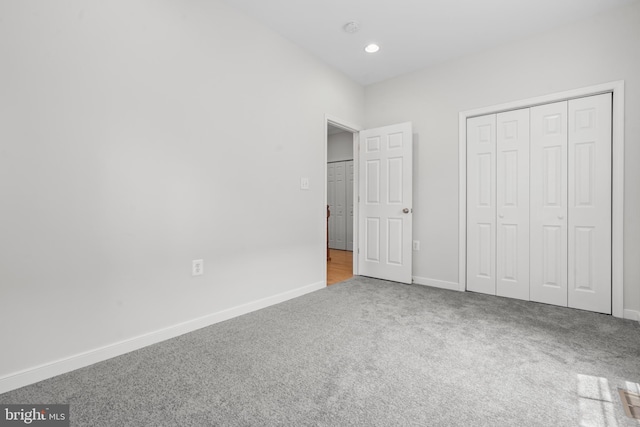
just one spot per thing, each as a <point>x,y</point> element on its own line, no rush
<point>548,237</point>
<point>512,194</point>
<point>386,200</point>
<point>589,248</point>
<point>349,168</point>
<point>481,204</point>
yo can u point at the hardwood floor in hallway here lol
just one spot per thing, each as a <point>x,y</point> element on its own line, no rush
<point>340,267</point>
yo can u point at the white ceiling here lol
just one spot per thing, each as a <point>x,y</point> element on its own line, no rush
<point>412,34</point>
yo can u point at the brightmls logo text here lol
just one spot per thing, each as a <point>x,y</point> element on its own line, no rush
<point>28,417</point>
<point>34,415</point>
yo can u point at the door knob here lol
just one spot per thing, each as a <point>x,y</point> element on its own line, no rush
<point>405,210</point>
<point>501,216</point>
<point>560,216</point>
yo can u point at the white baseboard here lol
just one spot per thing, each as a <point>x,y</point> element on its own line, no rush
<point>632,315</point>
<point>452,286</point>
<point>68,364</point>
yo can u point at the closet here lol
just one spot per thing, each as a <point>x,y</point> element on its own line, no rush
<point>340,201</point>
<point>539,203</point>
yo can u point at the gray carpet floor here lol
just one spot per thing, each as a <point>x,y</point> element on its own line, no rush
<point>367,352</point>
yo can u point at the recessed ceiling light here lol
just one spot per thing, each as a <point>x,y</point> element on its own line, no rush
<point>372,48</point>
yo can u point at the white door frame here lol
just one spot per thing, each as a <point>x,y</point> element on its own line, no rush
<point>617,194</point>
<point>354,129</point>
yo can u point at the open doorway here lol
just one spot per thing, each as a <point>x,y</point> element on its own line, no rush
<point>341,193</point>
<point>382,211</point>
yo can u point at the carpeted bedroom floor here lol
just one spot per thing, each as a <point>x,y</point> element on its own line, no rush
<point>367,352</point>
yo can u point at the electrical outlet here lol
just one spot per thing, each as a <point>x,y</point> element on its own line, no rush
<point>197,267</point>
<point>304,183</point>
<point>416,245</point>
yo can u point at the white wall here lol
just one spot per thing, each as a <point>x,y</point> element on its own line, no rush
<point>340,147</point>
<point>599,50</point>
<point>137,136</point>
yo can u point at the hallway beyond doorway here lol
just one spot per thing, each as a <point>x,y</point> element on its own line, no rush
<point>340,268</point>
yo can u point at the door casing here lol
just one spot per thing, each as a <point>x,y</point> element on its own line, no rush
<point>354,129</point>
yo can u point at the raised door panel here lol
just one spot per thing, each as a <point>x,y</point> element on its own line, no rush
<point>372,182</point>
<point>512,206</point>
<point>385,156</point>
<point>548,204</point>
<point>372,234</point>
<point>481,204</point>
<point>589,252</point>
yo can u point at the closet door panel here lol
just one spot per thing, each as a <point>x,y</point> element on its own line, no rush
<point>481,204</point>
<point>331,201</point>
<point>512,155</point>
<point>337,200</point>
<point>341,207</point>
<point>349,214</point>
<point>548,204</point>
<point>589,153</point>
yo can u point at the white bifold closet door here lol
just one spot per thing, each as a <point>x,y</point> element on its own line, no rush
<point>571,203</point>
<point>512,182</point>
<point>590,203</point>
<point>340,201</point>
<point>549,166</point>
<point>349,192</point>
<point>498,204</point>
<point>539,203</point>
<point>337,200</point>
<point>481,204</point>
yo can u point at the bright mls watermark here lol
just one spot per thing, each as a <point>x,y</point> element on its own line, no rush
<point>34,415</point>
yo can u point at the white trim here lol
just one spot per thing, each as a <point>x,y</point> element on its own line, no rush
<point>462,201</point>
<point>632,315</point>
<point>355,247</point>
<point>617,202</point>
<point>77,361</point>
<point>354,129</point>
<point>342,124</point>
<point>434,283</point>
